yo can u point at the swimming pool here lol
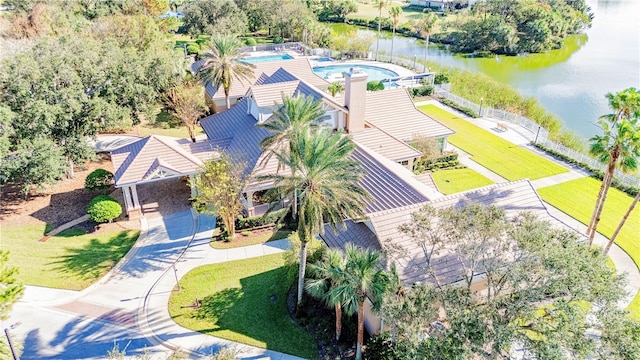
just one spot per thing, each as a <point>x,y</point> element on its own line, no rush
<point>334,72</point>
<point>268,58</point>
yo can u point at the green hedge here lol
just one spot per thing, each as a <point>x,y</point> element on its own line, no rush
<point>448,161</point>
<point>262,220</point>
<point>418,91</point>
<point>454,105</point>
<point>595,173</point>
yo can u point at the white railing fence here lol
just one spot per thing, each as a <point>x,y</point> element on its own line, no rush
<point>541,134</point>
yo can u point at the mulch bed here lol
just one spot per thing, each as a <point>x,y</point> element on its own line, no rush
<point>319,321</point>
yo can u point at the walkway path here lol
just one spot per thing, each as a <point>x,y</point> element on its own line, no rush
<point>128,307</point>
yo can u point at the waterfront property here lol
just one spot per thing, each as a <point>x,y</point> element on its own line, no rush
<point>381,124</point>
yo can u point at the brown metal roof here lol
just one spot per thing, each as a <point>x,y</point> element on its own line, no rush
<point>513,197</point>
<point>271,94</point>
<point>300,68</point>
<point>427,179</point>
<point>137,161</point>
<point>385,144</point>
<point>357,233</point>
<point>394,112</point>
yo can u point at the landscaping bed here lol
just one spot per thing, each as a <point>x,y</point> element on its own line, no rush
<point>246,238</point>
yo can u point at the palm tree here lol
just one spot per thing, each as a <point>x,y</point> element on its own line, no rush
<point>395,12</point>
<point>618,146</point>
<point>364,278</point>
<point>622,222</point>
<point>324,276</point>
<point>295,113</point>
<point>221,64</point>
<point>326,181</point>
<point>335,88</point>
<point>381,5</point>
<point>425,28</point>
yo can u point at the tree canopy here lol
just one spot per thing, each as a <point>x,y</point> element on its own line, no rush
<point>542,290</point>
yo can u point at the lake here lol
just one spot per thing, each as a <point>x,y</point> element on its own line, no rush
<point>571,82</point>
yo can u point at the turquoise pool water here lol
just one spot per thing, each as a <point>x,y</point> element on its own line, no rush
<point>374,72</point>
<point>268,58</point>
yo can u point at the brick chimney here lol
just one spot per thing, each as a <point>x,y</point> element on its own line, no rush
<point>355,98</point>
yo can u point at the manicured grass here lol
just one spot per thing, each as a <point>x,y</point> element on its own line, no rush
<point>458,180</point>
<point>243,301</point>
<point>166,125</point>
<point>253,239</point>
<point>71,260</point>
<point>496,154</point>
<point>577,198</point>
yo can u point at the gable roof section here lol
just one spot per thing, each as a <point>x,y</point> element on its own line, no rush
<point>384,144</point>
<point>357,233</point>
<point>137,161</point>
<point>271,94</point>
<point>238,129</point>
<point>513,197</point>
<point>300,68</point>
<point>387,189</point>
<point>394,112</point>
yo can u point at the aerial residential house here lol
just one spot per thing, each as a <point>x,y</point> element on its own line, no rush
<point>381,124</point>
<point>441,5</point>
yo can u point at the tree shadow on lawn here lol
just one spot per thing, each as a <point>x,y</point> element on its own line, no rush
<point>257,310</point>
<point>97,257</point>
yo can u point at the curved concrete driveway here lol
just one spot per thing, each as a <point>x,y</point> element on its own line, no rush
<point>128,307</point>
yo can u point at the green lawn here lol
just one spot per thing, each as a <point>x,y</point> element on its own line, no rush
<point>71,260</point>
<point>252,239</point>
<point>166,125</point>
<point>577,198</point>
<point>491,151</point>
<point>458,180</point>
<point>243,301</point>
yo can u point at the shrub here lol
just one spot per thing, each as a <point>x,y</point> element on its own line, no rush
<point>375,85</point>
<point>193,48</point>
<point>278,40</point>
<point>418,91</point>
<point>256,221</point>
<point>99,179</point>
<point>103,208</point>
<point>460,108</point>
<point>441,78</point>
<point>250,42</point>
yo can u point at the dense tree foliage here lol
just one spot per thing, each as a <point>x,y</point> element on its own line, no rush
<point>516,26</point>
<point>222,17</point>
<point>107,77</point>
<point>543,290</point>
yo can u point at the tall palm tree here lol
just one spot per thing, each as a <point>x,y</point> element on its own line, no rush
<point>622,222</point>
<point>363,278</point>
<point>326,180</point>
<point>381,4</point>
<point>395,12</point>
<point>618,146</point>
<point>295,113</point>
<point>425,28</point>
<point>222,65</point>
<point>326,274</point>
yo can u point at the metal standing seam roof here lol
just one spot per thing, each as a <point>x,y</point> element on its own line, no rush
<point>357,233</point>
<point>386,187</point>
<point>513,197</point>
<point>239,130</point>
<point>270,94</point>
<point>135,162</point>
<point>300,68</point>
<point>394,112</point>
<point>385,144</point>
